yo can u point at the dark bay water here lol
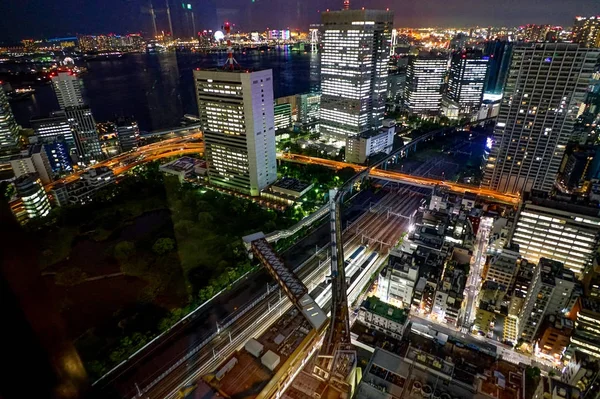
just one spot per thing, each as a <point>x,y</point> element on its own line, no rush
<point>158,89</point>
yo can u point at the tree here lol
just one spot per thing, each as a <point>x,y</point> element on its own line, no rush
<point>70,277</point>
<point>124,250</point>
<point>346,173</point>
<point>163,246</point>
<point>205,219</point>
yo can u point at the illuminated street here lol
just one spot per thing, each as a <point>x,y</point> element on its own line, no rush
<point>407,178</point>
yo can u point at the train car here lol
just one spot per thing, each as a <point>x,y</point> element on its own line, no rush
<point>370,260</point>
<point>356,255</point>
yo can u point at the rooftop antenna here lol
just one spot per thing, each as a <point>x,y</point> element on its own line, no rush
<point>231,62</point>
<point>346,4</point>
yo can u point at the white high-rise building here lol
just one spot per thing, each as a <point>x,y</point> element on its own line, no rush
<point>354,72</point>
<point>545,90</point>
<point>424,81</point>
<point>33,160</point>
<point>9,130</point>
<point>550,293</point>
<point>68,90</point>
<point>237,116</point>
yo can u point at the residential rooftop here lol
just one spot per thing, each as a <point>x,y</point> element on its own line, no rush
<point>382,309</point>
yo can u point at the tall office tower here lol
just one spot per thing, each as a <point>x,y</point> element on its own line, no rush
<point>9,130</point>
<point>500,53</point>
<point>356,48</point>
<point>586,31</point>
<point>468,70</point>
<point>424,81</point>
<point>86,135</point>
<point>68,90</point>
<point>31,191</point>
<point>545,89</point>
<point>236,114</point>
<point>550,293</point>
<point>309,108</point>
<point>557,230</point>
<point>128,134</point>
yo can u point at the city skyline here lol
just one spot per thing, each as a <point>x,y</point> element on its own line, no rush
<point>134,15</point>
<point>356,211</point>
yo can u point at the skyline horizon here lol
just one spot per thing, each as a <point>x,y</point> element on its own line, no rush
<point>133,17</point>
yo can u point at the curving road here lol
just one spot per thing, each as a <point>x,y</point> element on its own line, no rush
<point>404,177</point>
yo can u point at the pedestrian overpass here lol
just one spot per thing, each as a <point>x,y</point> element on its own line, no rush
<point>294,288</point>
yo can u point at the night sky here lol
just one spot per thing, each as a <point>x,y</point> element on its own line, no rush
<point>49,18</point>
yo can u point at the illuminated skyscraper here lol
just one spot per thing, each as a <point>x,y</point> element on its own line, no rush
<point>468,70</point>
<point>9,130</point>
<point>236,114</point>
<point>68,90</point>
<point>86,135</point>
<point>545,89</point>
<point>586,31</point>
<point>424,80</point>
<point>128,134</point>
<point>354,70</point>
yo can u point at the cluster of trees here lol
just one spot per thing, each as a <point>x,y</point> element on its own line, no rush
<point>319,175</point>
<point>208,227</point>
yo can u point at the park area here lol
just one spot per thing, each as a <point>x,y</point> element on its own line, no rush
<point>140,257</point>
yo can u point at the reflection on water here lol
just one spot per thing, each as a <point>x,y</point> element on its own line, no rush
<point>158,89</point>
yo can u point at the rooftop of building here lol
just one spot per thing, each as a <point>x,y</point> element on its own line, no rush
<point>48,118</point>
<point>249,376</point>
<point>98,171</point>
<point>590,305</point>
<point>559,389</point>
<point>237,69</point>
<point>552,270</point>
<point>565,203</point>
<point>382,309</point>
<point>183,164</point>
<point>289,183</point>
<point>402,261</point>
<point>373,133</point>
